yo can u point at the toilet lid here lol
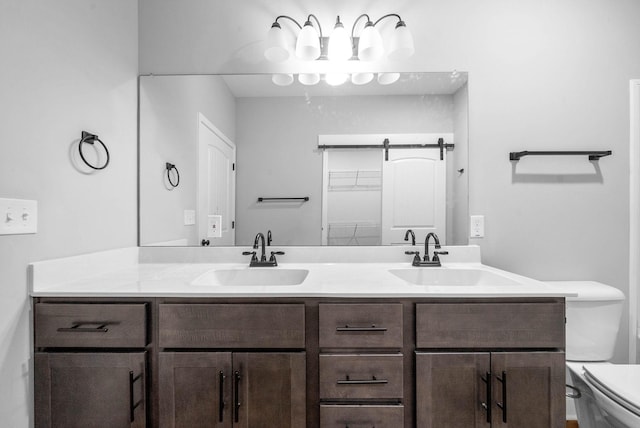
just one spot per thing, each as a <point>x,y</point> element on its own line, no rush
<point>620,382</point>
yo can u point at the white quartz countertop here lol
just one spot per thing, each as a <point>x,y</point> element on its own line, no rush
<point>133,278</point>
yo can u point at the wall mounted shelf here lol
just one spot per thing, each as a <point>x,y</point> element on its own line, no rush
<point>593,155</point>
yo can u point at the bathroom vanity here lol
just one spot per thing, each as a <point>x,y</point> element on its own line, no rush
<point>142,346</point>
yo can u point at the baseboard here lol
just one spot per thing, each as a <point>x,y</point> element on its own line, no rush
<point>572,424</point>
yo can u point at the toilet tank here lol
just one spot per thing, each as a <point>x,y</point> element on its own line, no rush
<point>593,319</point>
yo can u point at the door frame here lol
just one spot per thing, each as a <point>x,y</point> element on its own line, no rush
<point>634,216</point>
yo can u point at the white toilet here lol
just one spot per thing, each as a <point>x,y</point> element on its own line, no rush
<point>609,394</point>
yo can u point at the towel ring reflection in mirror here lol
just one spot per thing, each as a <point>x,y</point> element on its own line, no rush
<point>89,138</point>
<point>171,167</point>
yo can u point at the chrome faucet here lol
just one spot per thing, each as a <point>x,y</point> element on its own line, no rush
<point>435,260</point>
<point>269,238</point>
<point>413,236</point>
<point>262,262</point>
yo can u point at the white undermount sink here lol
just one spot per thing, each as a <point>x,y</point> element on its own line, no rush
<point>251,277</point>
<point>451,277</point>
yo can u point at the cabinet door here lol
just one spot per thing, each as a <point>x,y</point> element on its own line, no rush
<point>90,390</point>
<point>195,389</point>
<point>269,390</point>
<point>451,390</point>
<point>528,389</point>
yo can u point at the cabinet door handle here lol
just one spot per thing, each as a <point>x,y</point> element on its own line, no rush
<point>132,405</point>
<point>372,381</point>
<point>221,397</point>
<point>503,405</point>
<point>486,405</point>
<point>76,327</point>
<point>372,328</point>
<point>236,396</point>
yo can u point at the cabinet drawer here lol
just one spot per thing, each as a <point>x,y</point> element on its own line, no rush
<point>341,416</point>
<point>374,376</point>
<point>275,326</point>
<point>79,325</point>
<point>361,325</point>
<point>490,325</point>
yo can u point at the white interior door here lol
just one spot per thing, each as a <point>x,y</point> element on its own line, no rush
<point>413,195</point>
<point>216,185</point>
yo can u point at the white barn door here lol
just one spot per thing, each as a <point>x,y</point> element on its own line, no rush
<point>413,195</point>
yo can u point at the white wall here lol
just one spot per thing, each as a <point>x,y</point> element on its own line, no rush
<point>268,127</point>
<point>543,75</point>
<point>169,109</point>
<point>67,66</point>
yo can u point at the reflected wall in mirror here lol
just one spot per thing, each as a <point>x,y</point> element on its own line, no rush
<point>274,132</point>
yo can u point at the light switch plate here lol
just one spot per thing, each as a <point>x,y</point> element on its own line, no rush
<point>189,217</point>
<point>18,216</point>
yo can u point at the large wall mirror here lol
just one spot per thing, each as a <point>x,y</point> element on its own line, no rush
<point>223,157</point>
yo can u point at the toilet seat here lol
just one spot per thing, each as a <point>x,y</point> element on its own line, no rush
<point>617,389</point>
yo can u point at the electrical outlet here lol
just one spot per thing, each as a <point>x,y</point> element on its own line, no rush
<point>476,226</point>
<point>18,216</point>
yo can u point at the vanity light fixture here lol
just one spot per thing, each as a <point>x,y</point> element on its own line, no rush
<point>311,45</point>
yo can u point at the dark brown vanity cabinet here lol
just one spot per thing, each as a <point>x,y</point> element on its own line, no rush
<point>225,389</point>
<point>90,365</point>
<point>222,384</point>
<point>361,365</point>
<point>299,362</point>
<point>516,380</point>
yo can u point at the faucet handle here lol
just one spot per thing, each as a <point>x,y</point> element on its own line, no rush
<point>416,256</point>
<point>250,253</point>
<point>436,253</point>
<point>272,259</point>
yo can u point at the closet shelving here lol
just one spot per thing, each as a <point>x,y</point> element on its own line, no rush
<point>355,180</point>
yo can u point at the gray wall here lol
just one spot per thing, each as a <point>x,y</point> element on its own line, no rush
<point>543,75</point>
<point>67,66</point>
<point>458,203</point>
<point>271,127</point>
<point>169,110</point>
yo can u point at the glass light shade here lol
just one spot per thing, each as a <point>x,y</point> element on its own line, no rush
<point>401,43</point>
<point>336,79</point>
<point>370,45</point>
<point>361,78</point>
<point>282,79</point>
<point>308,43</point>
<point>276,49</point>
<point>388,78</point>
<point>309,78</point>
<point>339,44</point>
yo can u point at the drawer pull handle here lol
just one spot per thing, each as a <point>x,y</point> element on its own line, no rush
<point>372,381</point>
<point>486,405</point>
<point>221,397</point>
<point>372,328</point>
<point>503,405</point>
<point>132,405</point>
<point>76,327</point>
<point>236,396</point>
